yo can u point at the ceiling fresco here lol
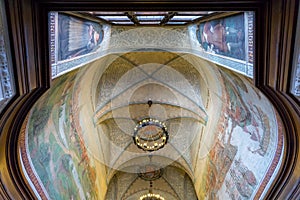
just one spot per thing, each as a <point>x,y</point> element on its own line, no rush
<point>225,138</point>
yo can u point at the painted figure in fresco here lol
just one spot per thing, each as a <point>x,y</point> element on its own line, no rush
<point>77,37</point>
<point>242,179</point>
<point>238,111</point>
<point>260,135</point>
<point>224,36</point>
<point>252,119</point>
<point>252,127</point>
<point>214,36</point>
<point>235,42</point>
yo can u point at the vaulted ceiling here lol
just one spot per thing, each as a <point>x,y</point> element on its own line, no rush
<point>223,133</point>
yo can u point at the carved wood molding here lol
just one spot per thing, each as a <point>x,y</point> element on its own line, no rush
<point>272,72</point>
<point>28,27</point>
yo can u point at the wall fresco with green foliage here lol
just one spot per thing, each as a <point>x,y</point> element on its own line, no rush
<point>56,149</point>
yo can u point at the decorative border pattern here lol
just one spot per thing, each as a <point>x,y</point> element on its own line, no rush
<point>275,160</point>
<point>250,18</point>
<point>52,16</point>
<point>26,161</point>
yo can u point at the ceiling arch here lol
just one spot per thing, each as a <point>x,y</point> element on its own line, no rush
<point>121,188</point>
<point>218,126</point>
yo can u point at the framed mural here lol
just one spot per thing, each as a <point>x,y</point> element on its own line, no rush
<point>225,36</point>
<point>77,36</point>
<point>72,36</point>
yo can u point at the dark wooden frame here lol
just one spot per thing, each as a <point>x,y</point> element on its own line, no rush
<point>28,28</point>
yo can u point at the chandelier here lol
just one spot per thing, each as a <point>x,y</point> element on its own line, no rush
<point>150,134</point>
<point>151,195</point>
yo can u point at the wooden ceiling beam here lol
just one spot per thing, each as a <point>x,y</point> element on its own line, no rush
<point>132,17</point>
<point>167,18</point>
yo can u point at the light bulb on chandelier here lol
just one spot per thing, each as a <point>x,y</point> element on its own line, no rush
<point>151,195</point>
<point>150,134</point>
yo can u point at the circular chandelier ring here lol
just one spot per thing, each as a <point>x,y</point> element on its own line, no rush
<point>150,134</point>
